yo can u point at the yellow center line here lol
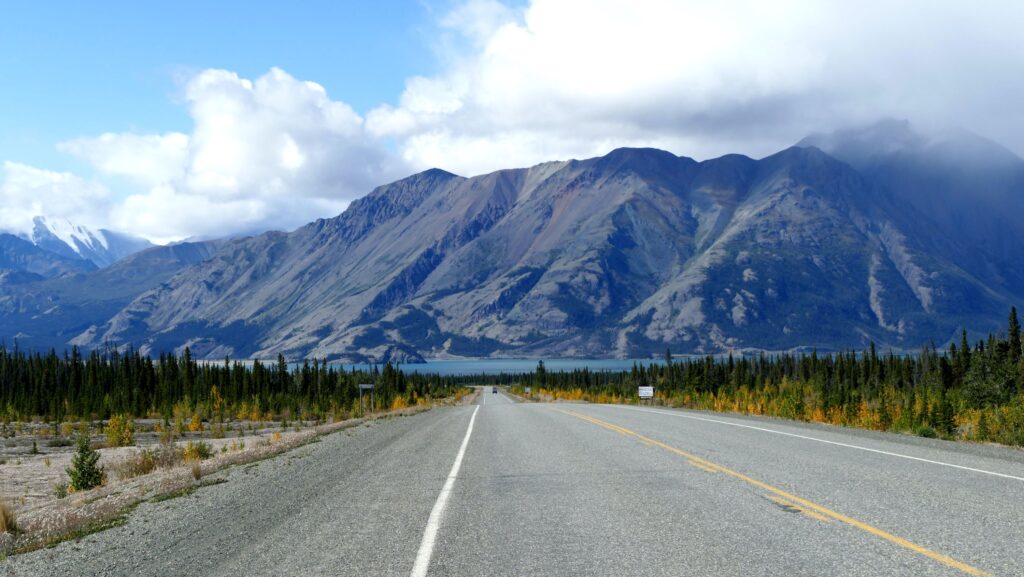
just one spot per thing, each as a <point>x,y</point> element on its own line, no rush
<point>801,503</point>
<point>702,467</point>
<point>811,514</point>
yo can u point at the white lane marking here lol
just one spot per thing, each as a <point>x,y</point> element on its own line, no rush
<point>419,568</point>
<point>847,445</point>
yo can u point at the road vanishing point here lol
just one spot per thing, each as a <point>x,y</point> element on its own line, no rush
<point>509,488</point>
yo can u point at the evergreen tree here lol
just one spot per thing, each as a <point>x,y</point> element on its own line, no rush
<point>1014,336</point>
<point>965,352</point>
<point>84,472</point>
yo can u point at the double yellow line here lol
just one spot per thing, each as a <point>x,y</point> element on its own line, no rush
<point>807,507</point>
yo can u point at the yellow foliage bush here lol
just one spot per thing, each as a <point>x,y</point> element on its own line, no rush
<point>196,451</point>
<point>8,520</point>
<point>120,431</point>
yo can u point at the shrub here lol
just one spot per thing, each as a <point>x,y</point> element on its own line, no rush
<point>84,471</point>
<point>197,471</point>
<point>195,425</point>
<point>925,431</point>
<point>8,520</point>
<point>60,489</point>
<point>196,451</point>
<point>35,449</point>
<point>141,463</point>
<point>168,455</point>
<point>120,431</point>
<point>59,442</point>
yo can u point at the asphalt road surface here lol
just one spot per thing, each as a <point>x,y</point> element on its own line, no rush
<point>505,488</point>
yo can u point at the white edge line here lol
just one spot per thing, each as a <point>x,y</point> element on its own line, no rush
<point>419,568</point>
<point>847,445</point>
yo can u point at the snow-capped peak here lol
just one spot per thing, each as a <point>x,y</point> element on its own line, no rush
<point>102,247</point>
<point>77,237</point>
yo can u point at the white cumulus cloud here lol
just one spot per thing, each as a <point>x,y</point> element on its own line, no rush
<point>271,153</point>
<point>27,192</point>
<point>145,158</point>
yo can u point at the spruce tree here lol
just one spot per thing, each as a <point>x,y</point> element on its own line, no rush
<point>84,472</point>
<point>965,352</point>
<point>1014,336</point>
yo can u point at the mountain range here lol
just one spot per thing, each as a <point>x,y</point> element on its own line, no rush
<point>56,246</point>
<point>879,234</point>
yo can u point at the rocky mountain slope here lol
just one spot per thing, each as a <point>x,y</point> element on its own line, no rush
<point>42,313</point>
<point>18,255</point>
<point>621,255</point>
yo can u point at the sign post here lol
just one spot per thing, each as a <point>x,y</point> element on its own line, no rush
<point>365,387</point>
<point>645,392</point>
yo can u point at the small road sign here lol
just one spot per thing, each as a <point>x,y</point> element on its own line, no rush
<point>373,397</point>
<point>646,392</point>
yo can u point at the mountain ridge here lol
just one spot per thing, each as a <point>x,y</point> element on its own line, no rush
<point>619,255</point>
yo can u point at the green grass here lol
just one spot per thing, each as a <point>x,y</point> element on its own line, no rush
<point>173,495</point>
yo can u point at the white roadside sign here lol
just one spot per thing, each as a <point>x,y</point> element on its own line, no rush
<point>646,392</point>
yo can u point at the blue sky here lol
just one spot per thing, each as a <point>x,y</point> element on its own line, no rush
<point>80,68</point>
<point>174,120</point>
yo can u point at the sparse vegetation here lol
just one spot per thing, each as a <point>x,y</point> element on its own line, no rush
<point>142,462</point>
<point>107,508</point>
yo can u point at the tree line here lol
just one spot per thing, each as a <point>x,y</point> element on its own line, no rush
<point>969,392</point>
<point>76,386</point>
<point>972,392</point>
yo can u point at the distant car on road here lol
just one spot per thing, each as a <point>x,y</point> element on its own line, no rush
<point>494,390</point>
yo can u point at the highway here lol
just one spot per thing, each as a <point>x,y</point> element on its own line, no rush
<point>507,488</point>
